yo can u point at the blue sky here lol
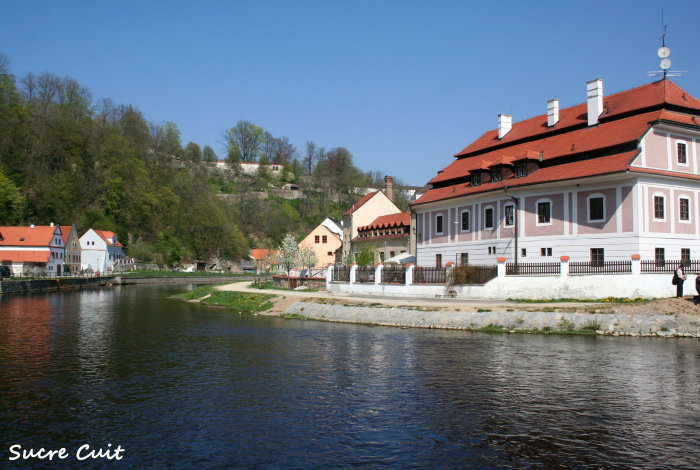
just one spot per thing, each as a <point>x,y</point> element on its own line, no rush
<point>404,85</point>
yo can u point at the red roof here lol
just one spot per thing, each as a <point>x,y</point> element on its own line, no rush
<point>389,221</point>
<point>259,254</point>
<point>646,96</point>
<point>65,232</point>
<point>360,203</point>
<point>40,235</point>
<point>25,256</point>
<point>107,237</point>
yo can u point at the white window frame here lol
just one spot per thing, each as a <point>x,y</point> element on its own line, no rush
<point>588,209</point>
<point>653,206</point>
<point>493,217</point>
<point>690,215</point>
<point>441,232</point>
<point>687,157</point>
<point>537,213</point>
<point>461,230</point>
<point>504,216</point>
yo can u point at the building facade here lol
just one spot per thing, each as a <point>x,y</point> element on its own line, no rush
<point>599,181</point>
<point>100,250</point>
<point>389,234</point>
<point>33,250</point>
<point>72,251</point>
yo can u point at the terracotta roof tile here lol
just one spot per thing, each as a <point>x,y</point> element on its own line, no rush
<point>40,235</point>
<point>65,231</point>
<point>106,235</point>
<point>25,256</point>
<point>360,203</point>
<point>388,221</point>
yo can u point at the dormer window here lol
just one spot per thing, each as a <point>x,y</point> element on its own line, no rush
<point>520,170</point>
<point>496,175</point>
<point>476,178</point>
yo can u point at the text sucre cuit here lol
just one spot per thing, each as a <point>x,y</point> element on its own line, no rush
<point>83,453</point>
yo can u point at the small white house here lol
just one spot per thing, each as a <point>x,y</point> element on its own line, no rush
<point>100,250</point>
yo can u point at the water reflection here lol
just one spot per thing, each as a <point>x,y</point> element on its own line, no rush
<point>182,386</point>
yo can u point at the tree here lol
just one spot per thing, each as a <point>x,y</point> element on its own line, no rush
<point>208,155</point>
<point>288,254</point>
<point>171,139</point>
<point>307,255</point>
<point>244,141</point>
<point>366,256</point>
<point>9,200</point>
<point>310,157</point>
<point>193,153</point>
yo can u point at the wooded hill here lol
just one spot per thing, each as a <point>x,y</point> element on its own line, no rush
<point>65,158</point>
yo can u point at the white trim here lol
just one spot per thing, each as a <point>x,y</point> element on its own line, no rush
<point>645,206</point>
<point>678,198</point>
<point>668,151</point>
<point>537,212</point>
<point>618,211</point>
<point>441,232</point>
<point>449,223</point>
<point>478,214</point>
<point>493,217</point>
<point>574,212</point>
<point>588,208</point>
<point>672,212</point>
<point>654,195</point>
<point>566,213</point>
<point>687,156</point>
<point>635,208</point>
<point>695,156</point>
<point>461,230</point>
<point>510,204</point>
<point>642,145</point>
<point>695,213</point>
<point>521,216</point>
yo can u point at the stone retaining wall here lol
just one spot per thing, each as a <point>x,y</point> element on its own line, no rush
<point>610,324</point>
<point>313,283</point>
<point>14,287</point>
<point>180,279</point>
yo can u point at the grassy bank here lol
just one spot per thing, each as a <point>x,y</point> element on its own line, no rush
<point>197,293</point>
<point>241,301</point>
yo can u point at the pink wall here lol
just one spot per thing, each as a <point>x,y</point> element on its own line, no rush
<point>655,153</point>
<point>627,209</point>
<point>435,238</point>
<point>465,236</point>
<point>492,233</point>
<point>685,227</point>
<point>610,224</point>
<point>530,216</point>
<point>675,139</point>
<point>506,232</point>
<point>656,226</point>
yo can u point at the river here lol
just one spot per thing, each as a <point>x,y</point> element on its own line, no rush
<point>177,385</point>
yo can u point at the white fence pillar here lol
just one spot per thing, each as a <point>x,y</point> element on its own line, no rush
<point>409,274</point>
<point>501,266</point>
<point>378,273</point>
<point>353,273</point>
<point>329,276</point>
<point>636,264</point>
<point>563,266</point>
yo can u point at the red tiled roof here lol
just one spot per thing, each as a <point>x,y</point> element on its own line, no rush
<point>389,221</point>
<point>360,203</point>
<point>107,237</point>
<point>25,256</point>
<point>40,235</point>
<point>639,98</point>
<point>593,167</point>
<point>65,231</point>
<point>259,254</point>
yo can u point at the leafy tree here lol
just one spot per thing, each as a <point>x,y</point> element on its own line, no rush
<point>244,141</point>
<point>171,139</point>
<point>307,255</point>
<point>208,155</point>
<point>193,153</point>
<point>366,256</point>
<point>288,254</point>
<point>9,200</point>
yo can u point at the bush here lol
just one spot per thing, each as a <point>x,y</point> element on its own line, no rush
<point>461,275</point>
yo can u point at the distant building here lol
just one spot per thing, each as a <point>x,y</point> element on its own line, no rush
<point>325,239</point>
<point>263,261</point>
<point>101,250</point>
<point>251,168</point>
<point>72,250</point>
<point>389,234</point>
<point>37,249</point>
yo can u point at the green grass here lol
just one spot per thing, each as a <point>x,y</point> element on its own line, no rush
<point>242,301</point>
<point>484,310</point>
<point>610,300</point>
<point>197,293</point>
<point>293,316</point>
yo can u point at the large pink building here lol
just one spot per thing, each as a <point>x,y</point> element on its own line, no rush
<point>614,176</point>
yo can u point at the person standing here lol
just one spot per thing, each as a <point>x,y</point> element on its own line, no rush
<point>680,279</point>
<point>697,289</point>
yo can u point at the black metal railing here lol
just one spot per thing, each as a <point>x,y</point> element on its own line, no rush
<point>607,267</point>
<point>429,275</point>
<point>532,269</point>
<point>668,266</point>
<point>394,275</point>
<point>365,275</point>
<point>341,274</point>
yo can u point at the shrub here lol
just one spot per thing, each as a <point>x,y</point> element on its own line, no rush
<point>461,275</point>
<point>592,325</point>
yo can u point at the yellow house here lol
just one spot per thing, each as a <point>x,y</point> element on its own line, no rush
<point>326,239</point>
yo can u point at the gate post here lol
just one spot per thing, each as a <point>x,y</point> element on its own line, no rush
<point>378,273</point>
<point>409,274</point>
<point>501,266</point>
<point>636,264</point>
<point>563,266</point>
<point>353,273</point>
<point>329,276</point>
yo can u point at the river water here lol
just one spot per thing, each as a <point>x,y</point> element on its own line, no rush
<point>178,385</point>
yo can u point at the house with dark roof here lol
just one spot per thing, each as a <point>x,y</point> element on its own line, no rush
<point>101,250</point>
<point>364,212</point>
<point>32,250</point>
<point>603,180</point>
<point>389,234</point>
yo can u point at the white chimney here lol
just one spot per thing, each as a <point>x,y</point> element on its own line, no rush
<point>51,224</point>
<point>594,90</point>
<point>505,124</point>
<point>31,226</point>
<point>552,112</point>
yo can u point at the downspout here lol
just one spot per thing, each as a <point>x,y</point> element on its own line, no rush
<point>515,229</point>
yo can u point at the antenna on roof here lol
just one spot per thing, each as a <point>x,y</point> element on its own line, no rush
<point>664,52</point>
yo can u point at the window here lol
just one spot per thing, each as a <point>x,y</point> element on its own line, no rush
<point>545,252</point>
<point>438,260</point>
<point>489,250</point>
<point>438,224</point>
<point>596,208</point>
<point>391,254</point>
<point>520,170</point>
<point>496,175</point>
<point>597,257</point>
<point>330,253</point>
<point>659,208</point>
<point>476,178</point>
<point>488,217</point>
<point>381,257</point>
<point>685,257</point>
<point>523,252</point>
<point>325,239</point>
<point>464,258</point>
<point>684,212</point>
<point>544,213</point>
<point>316,239</point>
<point>465,221</point>
<point>682,158</point>
<point>659,256</point>
<point>509,211</point>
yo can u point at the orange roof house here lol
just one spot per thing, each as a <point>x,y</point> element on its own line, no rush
<point>389,234</point>
<point>613,176</point>
<point>36,246</point>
